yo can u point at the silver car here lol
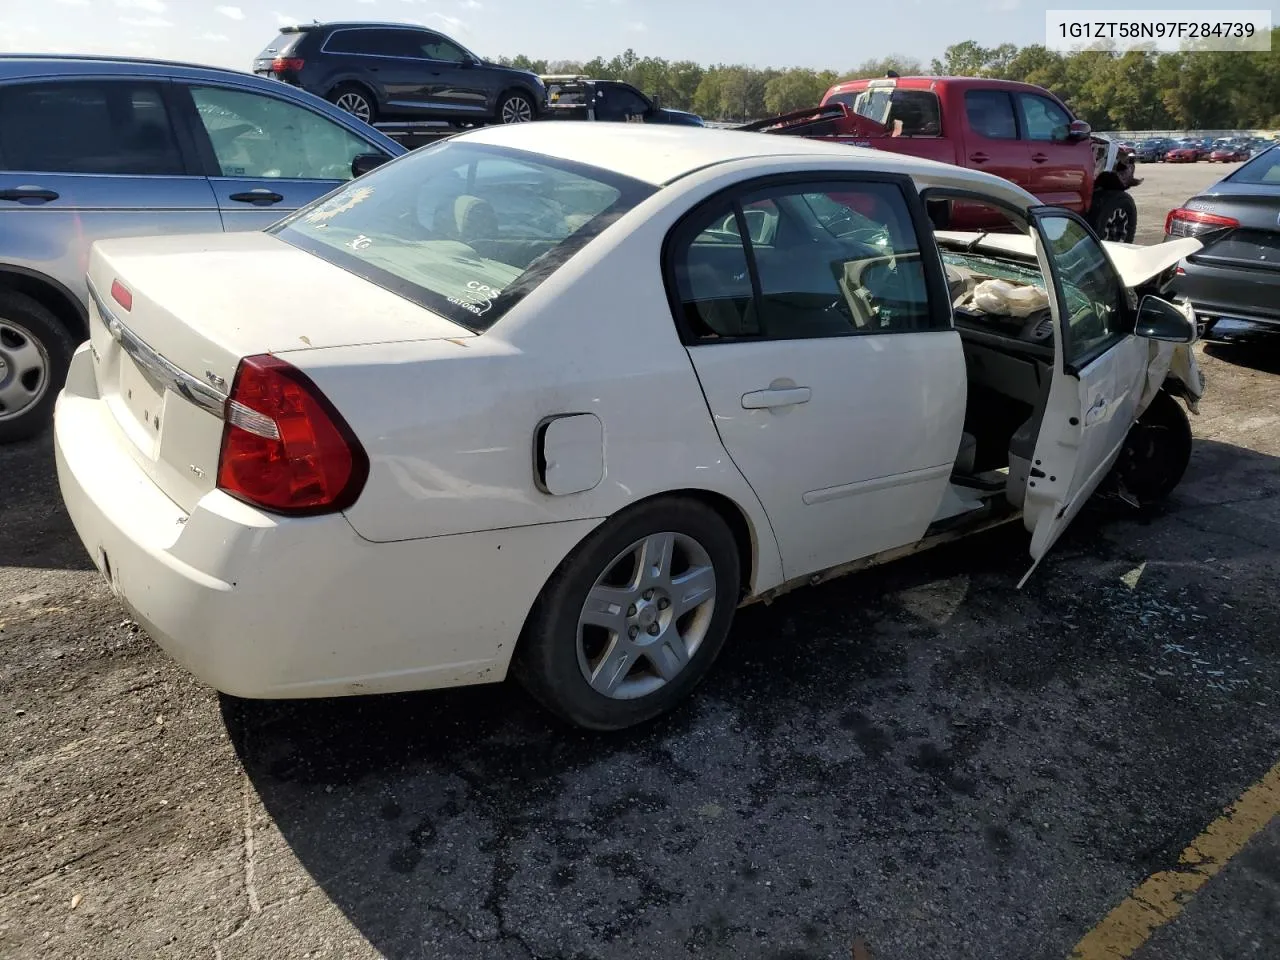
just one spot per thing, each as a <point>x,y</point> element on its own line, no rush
<point>107,147</point>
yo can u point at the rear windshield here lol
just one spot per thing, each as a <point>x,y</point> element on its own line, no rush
<point>465,230</point>
<point>281,46</point>
<point>917,109</point>
<point>1264,168</point>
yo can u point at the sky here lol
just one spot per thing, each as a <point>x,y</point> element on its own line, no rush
<point>834,34</point>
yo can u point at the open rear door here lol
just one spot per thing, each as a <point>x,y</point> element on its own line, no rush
<point>1098,374</point>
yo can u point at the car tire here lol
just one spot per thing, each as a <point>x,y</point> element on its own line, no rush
<point>1156,452</point>
<point>516,107</point>
<point>35,353</point>
<point>1114,215</point>
<point>611,641</point>
<point>355,100</point>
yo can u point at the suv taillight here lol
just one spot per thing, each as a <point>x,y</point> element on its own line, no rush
<point>1196,223</point>
<point>284,446</point>
<point>285,64</point>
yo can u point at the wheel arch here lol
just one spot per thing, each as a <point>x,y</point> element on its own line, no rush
<point>50,294</point>
<point>351,81</point>
<point>1108,180</point>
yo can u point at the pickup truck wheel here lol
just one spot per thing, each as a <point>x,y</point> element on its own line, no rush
<point>1114,215</point>
<point>1156,452</point>
<point>634,617</point>
<point>35,352</point>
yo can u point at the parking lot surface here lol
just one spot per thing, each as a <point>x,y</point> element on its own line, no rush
<point>919,761</point>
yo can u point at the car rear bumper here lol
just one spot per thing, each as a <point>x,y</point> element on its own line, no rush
<point>262,606</point>
<point>1231,303</point>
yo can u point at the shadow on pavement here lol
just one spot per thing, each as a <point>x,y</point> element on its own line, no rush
<point>919,756</point>
<point>36,529</point>
<point>1261,354</point>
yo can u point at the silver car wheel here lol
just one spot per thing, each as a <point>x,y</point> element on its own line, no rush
<point>356,105</point>
<point>646,616</point>
<point>24,370</point>
<point>517,110</point>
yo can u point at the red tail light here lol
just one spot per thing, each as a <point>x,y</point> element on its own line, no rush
<point>122,295</point>
<point>284,446</point>
<point>286,64</point>
<point>1194,223</point>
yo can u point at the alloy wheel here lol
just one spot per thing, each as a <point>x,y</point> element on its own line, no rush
<point>356,105</point>
<point>24,370</point>
<point>646,616</point>
<point>517,110</point>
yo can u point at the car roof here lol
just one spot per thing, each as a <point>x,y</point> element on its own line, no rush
<point>13,65</point>
<point>658,155</point>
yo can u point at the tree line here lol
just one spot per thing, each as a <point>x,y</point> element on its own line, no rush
<point>1135,90</point>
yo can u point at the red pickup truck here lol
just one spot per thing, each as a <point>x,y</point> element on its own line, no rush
<point>1015,130</point>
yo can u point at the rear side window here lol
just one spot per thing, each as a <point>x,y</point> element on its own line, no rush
<point>990,114</point>
<point>374,43</point>
<point>466,231</point>
<point>822,259</point>
<point>918,111</point>
<point>1264,168</point>
<point>87,126</point>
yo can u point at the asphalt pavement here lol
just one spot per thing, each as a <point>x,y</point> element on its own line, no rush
<point>917,761</point>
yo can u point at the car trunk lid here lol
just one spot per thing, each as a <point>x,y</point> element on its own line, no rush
<point>174,316</point>
<point>1255,243</point>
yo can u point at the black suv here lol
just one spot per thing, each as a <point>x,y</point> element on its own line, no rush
<point>398,72</point>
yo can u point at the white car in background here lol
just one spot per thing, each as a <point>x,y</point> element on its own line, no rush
<point>527,399</point>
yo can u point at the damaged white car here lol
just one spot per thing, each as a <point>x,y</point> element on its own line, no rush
<point>559,399</point>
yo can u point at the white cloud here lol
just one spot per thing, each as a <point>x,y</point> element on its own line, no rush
<point>233,13</point>
<point>453,23</point>
<point>150,6</point>
<point>473,4</point>
<point>367,1</point>
<point>284,19</point>
<point>214,37</point>
<point>73,3</point>
<point>146,23</point>
<point>635,26</point>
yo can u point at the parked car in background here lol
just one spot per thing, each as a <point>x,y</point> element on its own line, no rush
<point>94,147</point>
<point>1185,151</point>
<point>574,97</point>
<point>379,409</point>
<point>1151,151</point>
<point>400,72</point>
<point>1014,130</point>
<point>1234,279</point>
<point>1229,153</point>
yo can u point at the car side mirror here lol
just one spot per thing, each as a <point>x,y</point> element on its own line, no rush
<point>366,162</point>
<point>1079,130</point>
<point>1158,319</point>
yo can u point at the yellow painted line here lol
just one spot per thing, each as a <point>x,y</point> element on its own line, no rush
<point>1162,896</point>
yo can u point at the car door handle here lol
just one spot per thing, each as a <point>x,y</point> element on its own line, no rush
<point>28,195</point>
<point>979,157</point>
<point>261,197</point>
<point>1039,158</point>
<point>1097,411</point>
<point>769,399</point>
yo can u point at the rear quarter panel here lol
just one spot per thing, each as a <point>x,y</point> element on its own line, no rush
<point>449,426</point>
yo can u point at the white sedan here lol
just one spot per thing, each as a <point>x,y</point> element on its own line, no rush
<point>559,398</point>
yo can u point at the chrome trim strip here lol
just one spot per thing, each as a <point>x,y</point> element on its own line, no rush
<point>169,376</point>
